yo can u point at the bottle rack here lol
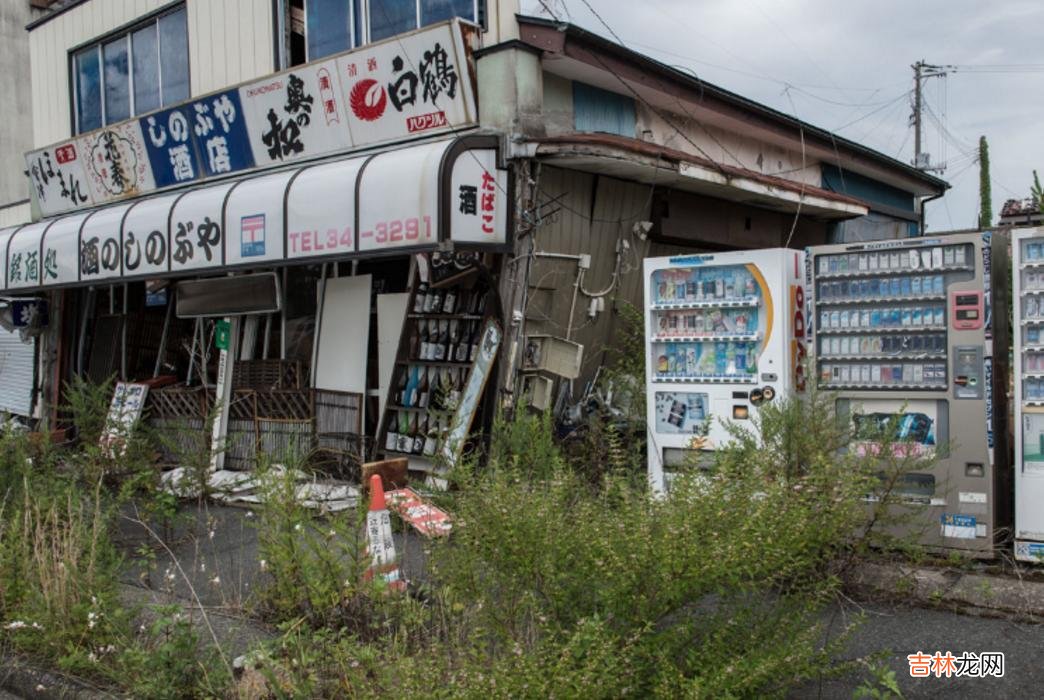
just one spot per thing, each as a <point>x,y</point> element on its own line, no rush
<point>437,349</point>
<point>881,317</point>
<point>1031,323</point>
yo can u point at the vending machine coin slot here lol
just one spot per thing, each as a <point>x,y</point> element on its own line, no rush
<point>967,372</point>
<point>967,310</point>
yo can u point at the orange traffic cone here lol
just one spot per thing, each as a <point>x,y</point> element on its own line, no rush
<point>380,544</point>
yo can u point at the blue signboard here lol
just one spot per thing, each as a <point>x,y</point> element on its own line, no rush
<point>171,148</point>
<point>221,134</point>
<point>205,138</point>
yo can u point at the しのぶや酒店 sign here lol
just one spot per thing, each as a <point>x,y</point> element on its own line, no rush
<point>410,86</point>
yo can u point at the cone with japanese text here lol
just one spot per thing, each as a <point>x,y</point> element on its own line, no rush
<point>380,546</point>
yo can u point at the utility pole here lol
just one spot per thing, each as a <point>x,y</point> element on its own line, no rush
<point>923,71</point>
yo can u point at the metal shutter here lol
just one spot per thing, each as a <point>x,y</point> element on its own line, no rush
<point>16,373</point>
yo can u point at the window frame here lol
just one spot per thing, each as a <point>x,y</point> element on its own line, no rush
<point>363,12</point>
<point>124,32</point>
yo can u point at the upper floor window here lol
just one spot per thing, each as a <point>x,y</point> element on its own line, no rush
<point>332,26</point>
<point>133,72</point>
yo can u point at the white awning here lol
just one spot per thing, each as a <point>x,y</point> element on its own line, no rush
<point>400,200</point>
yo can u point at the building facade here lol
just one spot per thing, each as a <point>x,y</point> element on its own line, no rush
<point>387,203</point>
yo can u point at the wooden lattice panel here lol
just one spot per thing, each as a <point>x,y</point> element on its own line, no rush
<point>176,402</point>
<point>266,375</point>
<point>337,411</point>
<point>286,404</point>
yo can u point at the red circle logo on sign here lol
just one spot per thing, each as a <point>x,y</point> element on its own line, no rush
<point>368,100</point>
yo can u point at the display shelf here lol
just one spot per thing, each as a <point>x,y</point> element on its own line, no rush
<point>881,329</point>
<point>434,363</point>
<point>748,302</point>
<point>1033,375</point>
<point>889,387</point>
<point>1033,291</point>
<point>722,337</point>
<point>1033,348</point>
<point>436,317</point>
<point>1032,265</point>
<point>1031,321</point>
<point>889,272</point>
<point>1033,402</point>
<point>861,358</point>
<point>881,300</point>
<point>707,379</point>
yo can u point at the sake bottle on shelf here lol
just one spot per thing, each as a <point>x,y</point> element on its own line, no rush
<point>449,302</point>
<point>400,389</point>
<point>431,433</point>
<point>419,297</point>
<point>391,440</point>
<point>405,442</point>
<point>423,390</point>
<point>417,433</point>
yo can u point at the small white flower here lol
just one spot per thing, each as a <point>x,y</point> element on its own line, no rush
<point>250,514</point>
<point>202,567</point>
<point>41,688</point>
<point>15,625</point>
<point>297,527</point>
<point>37,626</point>
<point>94,601</point>
<point>92,657</point>
<point>264,565</point>
<point>210,535</point>
<point>332,533</point>
<point>216,581</point>
<point>92,619</point>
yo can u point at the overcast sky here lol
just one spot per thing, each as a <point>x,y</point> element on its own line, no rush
<point>848,65</point>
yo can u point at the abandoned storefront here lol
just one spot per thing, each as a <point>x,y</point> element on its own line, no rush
<point>341,308</point>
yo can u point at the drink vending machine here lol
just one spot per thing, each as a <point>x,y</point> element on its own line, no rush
<point>1027,247</point>
<point>907,327</point>
<point>725,333</point>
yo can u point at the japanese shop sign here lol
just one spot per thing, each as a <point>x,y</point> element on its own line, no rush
<point>409,86</point>
<point>393,211</point>
<point>101,256</point>
<point>328,229</point>
<point>61,250</point>
<point>203,139</point>
<point>23,257</point>
<point>415,84</point>
<point>406,198</point>
<point>196,239</point>
<point>295,114</point>
<point>58,179</point>
<point>116,162</point>
<point>478,198</point>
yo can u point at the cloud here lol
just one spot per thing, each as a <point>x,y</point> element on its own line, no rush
<point>859,54</point>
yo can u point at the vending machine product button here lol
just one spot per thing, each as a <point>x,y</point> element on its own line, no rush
<point>740,413</point>
<point>768,393</point>
<point>769,377</point>
<point>756,397</point>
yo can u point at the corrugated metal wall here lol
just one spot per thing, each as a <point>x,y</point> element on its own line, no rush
<point>229,42</point>
<point>593,214</point>
<point>583,213</point>
<point>16,374</point>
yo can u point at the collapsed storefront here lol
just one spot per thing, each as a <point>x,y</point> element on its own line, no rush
<point>339,307</point>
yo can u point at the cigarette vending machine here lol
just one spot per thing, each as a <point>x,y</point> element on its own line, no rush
<point>1027,247</point>
<point>907,327</point>
<point>725,333</point>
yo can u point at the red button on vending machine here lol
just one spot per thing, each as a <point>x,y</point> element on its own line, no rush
<point>967,310</point>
